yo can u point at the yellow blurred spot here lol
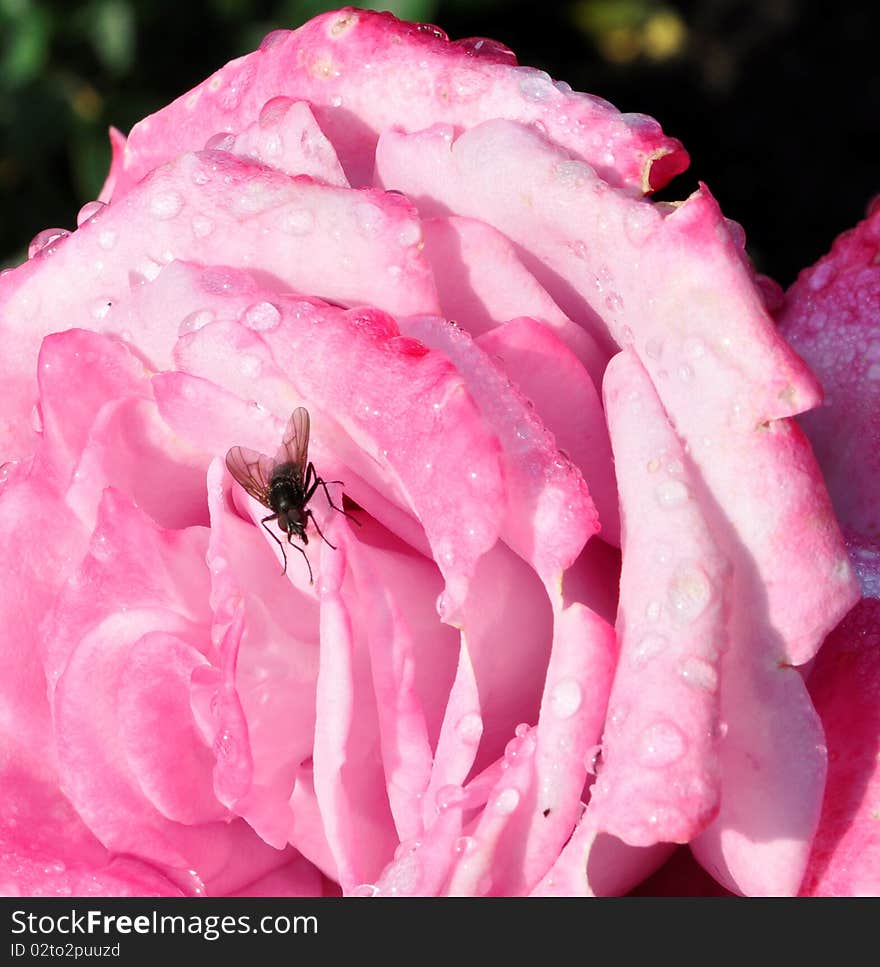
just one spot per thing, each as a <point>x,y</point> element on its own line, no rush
<point>664,35</point>
<point>624,30</point>
<point>87,102</point>
<point>620,45</point>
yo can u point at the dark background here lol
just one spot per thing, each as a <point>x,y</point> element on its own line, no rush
<point>778,103</point>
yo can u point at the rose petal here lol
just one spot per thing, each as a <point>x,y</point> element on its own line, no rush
<point>845,687</point>
<point>117,162</point>
<point>103,369</point>
<point>299,878</point>
<point>412,660</point>
<point>550,514</point>
<point>271,676</point>
<point>299,232</point>
<point>349,783</point>
<point>364,72</point>
<point>660,775</point>
<point>572,228</point>
<point>831,318</point>
<point>578,681</point>
<point>154,688</point>
<point>551,377</point>
<point>481,283</point>
<point>593,863</point>
<point>287,137</point>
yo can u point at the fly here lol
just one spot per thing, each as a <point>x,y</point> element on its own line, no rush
<point>285,485</point>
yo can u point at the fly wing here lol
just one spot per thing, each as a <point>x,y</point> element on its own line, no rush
<point>252,470</point>
<point>295,444</point>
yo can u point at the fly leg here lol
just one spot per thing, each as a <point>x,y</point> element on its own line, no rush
<point>278,542</point>
<point>306,556</point>
<point>311,484</point>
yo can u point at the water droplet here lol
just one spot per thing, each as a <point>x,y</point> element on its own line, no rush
<point>652,610</point>
<point>523,431</point>
<point>638,222</point>
<point>573,174</point>
<point>405,847</point>
<point>222,141</point>
<point>225,745</point>
<point>700,674</point>
<point>273,38</point>
<point>689,593</point>
<point>202,226</point>
<point>579,249</point>
<point>613,302</point>
<point>484,47</point>
<point>449,796</point>
<point>627,336</point>
<point>251,365</point>
<point>195,321</point>
<point>46,241</point>
<point>653,348</point>
<point>100,308</point>
<point>36,420</point>
<point>410,233</point>
<point>592,758</point>
<point>298,221</point>
<point>336,101</point>
<point>519,747</point>
<point>89,210</point>
<point>506,801</point>
<point>671,493</point>
<point>470,728</point>
<point>660,745</point>
<point>365,889</point>
<point>565,698</point>
<point>465,844</point>
<point>536,85</point>
<point>370,219</point>
<point>694,348</point>
<point>262,316</point>
<point>166,204</point>
<point>402,878</point>
<point>648,647</point>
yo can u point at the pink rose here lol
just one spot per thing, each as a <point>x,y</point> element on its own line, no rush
<point>594,552</point>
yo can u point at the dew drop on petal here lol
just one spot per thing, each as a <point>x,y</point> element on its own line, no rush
<point>699,674</point>
<point>369,218</point>
<point>251,366</point>
<point>195,321</point>
<point>470,728</point>
<point>671,493</point>
<point>273,38</point>
<point>689,593</point>
<point>565,698</point>
<point>298,221</point>
<point>166,204</point>
<point>222,141</point>
<point>660,745</point>
<point>262,316</point>
<point>202,226</point>
<point>402,878</point>
<point>648,647</point>
<point>365,889</point>
<point>464,845</point>
<point>89,210</point>
<point>46,240</point>
<point>506,801</point>
<point>449,796</point>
